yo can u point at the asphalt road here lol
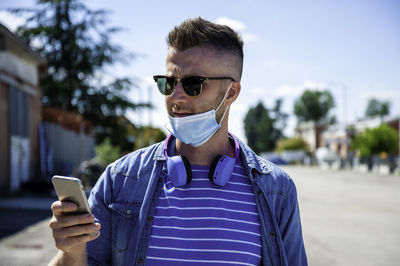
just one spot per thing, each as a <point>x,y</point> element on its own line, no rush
<point>14,220</point>
<point>348,219</point>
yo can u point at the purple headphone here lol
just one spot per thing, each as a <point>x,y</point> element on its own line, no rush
<point>180,172</point>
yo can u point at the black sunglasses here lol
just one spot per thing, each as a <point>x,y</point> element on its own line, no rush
<point>192,85</point>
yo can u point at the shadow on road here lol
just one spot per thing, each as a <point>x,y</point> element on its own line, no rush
<point>15,220</point>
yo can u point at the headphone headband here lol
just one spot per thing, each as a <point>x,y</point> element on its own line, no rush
<point>170,137</point>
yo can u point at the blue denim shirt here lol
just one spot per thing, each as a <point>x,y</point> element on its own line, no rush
<point>124,201</point>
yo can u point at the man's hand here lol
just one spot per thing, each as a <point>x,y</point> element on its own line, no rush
<point>70,232</point>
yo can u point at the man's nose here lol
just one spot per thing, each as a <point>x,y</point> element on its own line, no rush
<point>178,93</point>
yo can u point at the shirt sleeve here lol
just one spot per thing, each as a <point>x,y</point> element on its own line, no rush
<point>99,250</point>
<point>290,228</point>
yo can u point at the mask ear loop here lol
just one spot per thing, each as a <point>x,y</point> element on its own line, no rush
<point>220,104</point>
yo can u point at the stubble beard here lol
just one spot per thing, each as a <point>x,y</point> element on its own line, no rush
<point>204,108</point>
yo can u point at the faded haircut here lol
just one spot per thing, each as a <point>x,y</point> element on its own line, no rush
<point>200,32</point>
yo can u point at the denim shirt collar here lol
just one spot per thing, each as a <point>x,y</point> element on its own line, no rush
<point>252,160</point>
<point>159,153</point>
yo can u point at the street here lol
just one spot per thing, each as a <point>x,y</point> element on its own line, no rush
<point>348,218</point>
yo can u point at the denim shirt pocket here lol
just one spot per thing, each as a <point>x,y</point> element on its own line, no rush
<point>124,217</point>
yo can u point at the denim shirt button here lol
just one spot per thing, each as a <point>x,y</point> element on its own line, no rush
<point>272,234</point>
<point>140,261</point>
<point>128,212</point>
<point>160,180</point>
<point>259,192</point>
<point>150,218</point>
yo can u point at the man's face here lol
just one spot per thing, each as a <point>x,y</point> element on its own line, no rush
<point>197,61</point>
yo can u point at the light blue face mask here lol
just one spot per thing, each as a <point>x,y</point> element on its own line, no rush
<point>196,129</point>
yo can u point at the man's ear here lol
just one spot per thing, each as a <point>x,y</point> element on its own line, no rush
<point>233,92</point>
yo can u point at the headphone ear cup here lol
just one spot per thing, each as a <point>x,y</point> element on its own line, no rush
<point>212,168</point>
<point>221,170</point>
<point>179,170</point>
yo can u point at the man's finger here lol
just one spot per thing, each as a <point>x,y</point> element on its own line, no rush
<point>62,221</point>
<point>59,207</point>
<point>77,230</point>
<point>67,243</point>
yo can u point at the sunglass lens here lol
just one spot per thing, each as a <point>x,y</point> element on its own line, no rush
<point>161,84</point>
<point>165,86</point>
<point>192,85</point>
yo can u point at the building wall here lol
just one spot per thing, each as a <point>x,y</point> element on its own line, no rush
<point>4,139</point>
<point>20,110</point>
<point>35,118</point>
<point>306,131</point>
<point>24,84</point>
<point>18,66</point>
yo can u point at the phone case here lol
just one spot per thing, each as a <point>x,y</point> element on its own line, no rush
<point>71,189</point>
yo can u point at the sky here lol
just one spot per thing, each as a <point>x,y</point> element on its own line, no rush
<point>350,47</point>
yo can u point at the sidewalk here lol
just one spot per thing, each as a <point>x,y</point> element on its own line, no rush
<point>32,245</point>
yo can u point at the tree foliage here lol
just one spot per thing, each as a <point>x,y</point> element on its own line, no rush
<point>106,153</point>
<point>263,127</point>
<point>377,108</point>
<point>314,105</point>
<point>147,136</point>
<point>292,144</point>
<point>76,42</point>
<point>382,139</point>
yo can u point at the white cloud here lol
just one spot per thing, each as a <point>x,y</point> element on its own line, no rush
<point>234,24</point>
<point>238,26</point>
<point>290,91</point>
<point>314,85</point>
<point>249,37</point>
<point>286,91</point>
<point>257,91</point>
<point>238,108</point>
<point>382,93</point>
<point>11,21</point>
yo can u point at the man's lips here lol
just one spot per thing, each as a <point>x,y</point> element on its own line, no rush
<point>181,114</point>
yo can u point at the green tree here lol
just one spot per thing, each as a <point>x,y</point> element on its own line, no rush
<point>280,118</point>
<point>145,136</point>
<point>382,139</point>
<point>377,108</point>
<point>292,144</point>
<point>314,105</point>
<point>106,153</point>
<point>263,127</point>
<point>76,42</point>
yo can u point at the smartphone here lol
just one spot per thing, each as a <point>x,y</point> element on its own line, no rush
<point>71,189</point>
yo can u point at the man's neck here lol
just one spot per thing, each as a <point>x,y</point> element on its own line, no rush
<point>205,154</point>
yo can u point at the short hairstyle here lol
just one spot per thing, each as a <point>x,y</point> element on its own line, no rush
<point>200,32</point>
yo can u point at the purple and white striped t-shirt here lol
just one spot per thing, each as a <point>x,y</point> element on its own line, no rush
<point>203,224</point>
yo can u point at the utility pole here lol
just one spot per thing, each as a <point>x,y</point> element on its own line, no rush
<point>345,122</point>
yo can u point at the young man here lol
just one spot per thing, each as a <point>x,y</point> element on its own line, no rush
<point>200,197</point>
